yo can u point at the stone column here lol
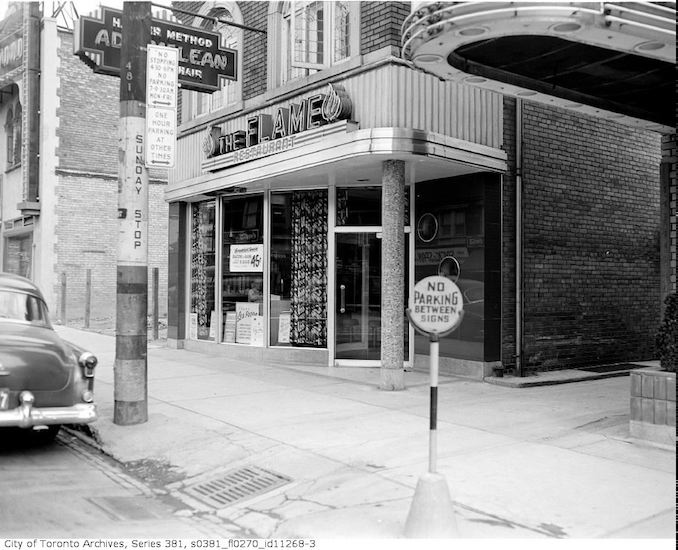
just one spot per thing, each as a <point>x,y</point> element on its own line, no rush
<point>392,275</point>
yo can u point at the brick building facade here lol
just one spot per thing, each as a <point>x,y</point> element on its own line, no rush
<point>590,228</point>
<point>73,218</point>
<point>590,239</point>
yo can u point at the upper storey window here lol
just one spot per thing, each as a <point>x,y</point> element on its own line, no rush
<point>313,36</point>
<point>231,37</point>
<point>9,137</point>
<point>13,136</point>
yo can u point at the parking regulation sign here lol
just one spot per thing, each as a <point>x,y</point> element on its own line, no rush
<point>436,305</point>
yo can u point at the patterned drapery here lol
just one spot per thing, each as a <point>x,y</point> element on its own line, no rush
<point>202,265</point>
<point>308,300</point>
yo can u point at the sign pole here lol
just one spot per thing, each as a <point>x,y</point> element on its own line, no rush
<point>436,309</point>
<point>433,434</point>
<point>131,342</point>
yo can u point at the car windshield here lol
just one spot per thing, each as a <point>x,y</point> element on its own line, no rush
<point>17,306</point>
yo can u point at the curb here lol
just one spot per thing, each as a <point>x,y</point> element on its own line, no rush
<point>541,380</point>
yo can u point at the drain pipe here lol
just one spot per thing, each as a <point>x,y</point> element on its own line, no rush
<point>519,237</point>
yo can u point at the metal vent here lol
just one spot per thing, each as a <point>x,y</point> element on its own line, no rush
<point>235,486</point>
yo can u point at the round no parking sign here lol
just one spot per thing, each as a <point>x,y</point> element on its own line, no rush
<point>436,306</point>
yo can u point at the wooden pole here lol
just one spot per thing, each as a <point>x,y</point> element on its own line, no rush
<point>156,286</point>
<point>88,297</point>
<point>63,298</point>
<point>131,345</point>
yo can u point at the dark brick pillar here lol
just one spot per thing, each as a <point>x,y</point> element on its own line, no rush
<point>668,199</point>
<point>176,275</point>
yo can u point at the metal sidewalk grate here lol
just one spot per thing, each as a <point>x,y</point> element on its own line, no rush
<point>235,486</point>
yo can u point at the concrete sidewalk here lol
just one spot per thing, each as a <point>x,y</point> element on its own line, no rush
<point>539,462</point>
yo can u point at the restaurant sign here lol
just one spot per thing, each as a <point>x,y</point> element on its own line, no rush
<point>203,64</point>
<point>267,134</point>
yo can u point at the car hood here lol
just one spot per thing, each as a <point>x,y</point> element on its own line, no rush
<point>33,358</point>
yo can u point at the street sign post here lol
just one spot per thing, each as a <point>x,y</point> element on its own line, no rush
<point>151,57</point>
<point>436,309</point>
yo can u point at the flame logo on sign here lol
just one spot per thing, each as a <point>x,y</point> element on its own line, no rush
<point>209,142</point>
<point>336,105</point>
<point>209,145</point>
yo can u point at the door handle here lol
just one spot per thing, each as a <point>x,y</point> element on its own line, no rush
<point>342,292</point>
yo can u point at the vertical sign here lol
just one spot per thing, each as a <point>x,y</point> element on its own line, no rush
<point>162,73</point>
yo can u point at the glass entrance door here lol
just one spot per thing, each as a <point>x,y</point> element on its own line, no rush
<point>358,296</point>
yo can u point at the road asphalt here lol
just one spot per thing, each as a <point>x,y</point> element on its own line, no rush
<point>331,456</point>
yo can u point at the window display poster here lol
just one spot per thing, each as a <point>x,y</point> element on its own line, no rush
<point>244,312</point>
<point>229,327</point>
<point>284,328</point>
<point>193,329</point>
<point>243,331</point>
<point>213,325</point>
<point>246,258</point>
<point>257,335</point>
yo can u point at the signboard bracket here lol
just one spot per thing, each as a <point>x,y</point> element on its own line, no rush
<point>209,18</point>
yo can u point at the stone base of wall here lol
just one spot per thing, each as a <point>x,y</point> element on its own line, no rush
<point>477,370</point>
<point>653,406</point>
<point>665,435</point>
<point>241,352</point>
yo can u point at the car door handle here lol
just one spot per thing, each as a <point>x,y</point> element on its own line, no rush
<point>342,292</point>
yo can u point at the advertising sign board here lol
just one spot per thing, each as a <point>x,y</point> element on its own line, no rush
<point>203,64</point>
<point>246,258</point>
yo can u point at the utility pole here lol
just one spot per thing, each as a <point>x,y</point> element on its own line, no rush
<point>131,344</point>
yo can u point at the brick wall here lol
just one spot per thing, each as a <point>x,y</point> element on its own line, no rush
<point>88,240</point>
<point>670,198</point>
<point>87,131</point>
<point>88,114</point>
<point>380,24</point>
<point>255,14</point>
<point>590,240</point>
<point>508,293</point>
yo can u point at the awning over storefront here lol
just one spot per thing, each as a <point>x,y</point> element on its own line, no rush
<point>343,154</point>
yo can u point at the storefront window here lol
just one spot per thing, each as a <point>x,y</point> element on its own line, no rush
<point>450,241</point>
<point>299,269</point>
<point>243,270</point>
<point>202,321</point>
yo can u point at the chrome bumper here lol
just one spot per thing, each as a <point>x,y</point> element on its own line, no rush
<point>26,415</point>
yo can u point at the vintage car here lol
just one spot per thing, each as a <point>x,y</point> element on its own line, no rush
<point>44,381</point>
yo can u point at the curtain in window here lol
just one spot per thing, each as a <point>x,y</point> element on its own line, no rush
<point>308,296</point>
<point>202,266</point>
<point>341,47</point>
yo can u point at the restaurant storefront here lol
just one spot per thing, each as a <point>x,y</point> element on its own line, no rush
<point>277,231</point>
